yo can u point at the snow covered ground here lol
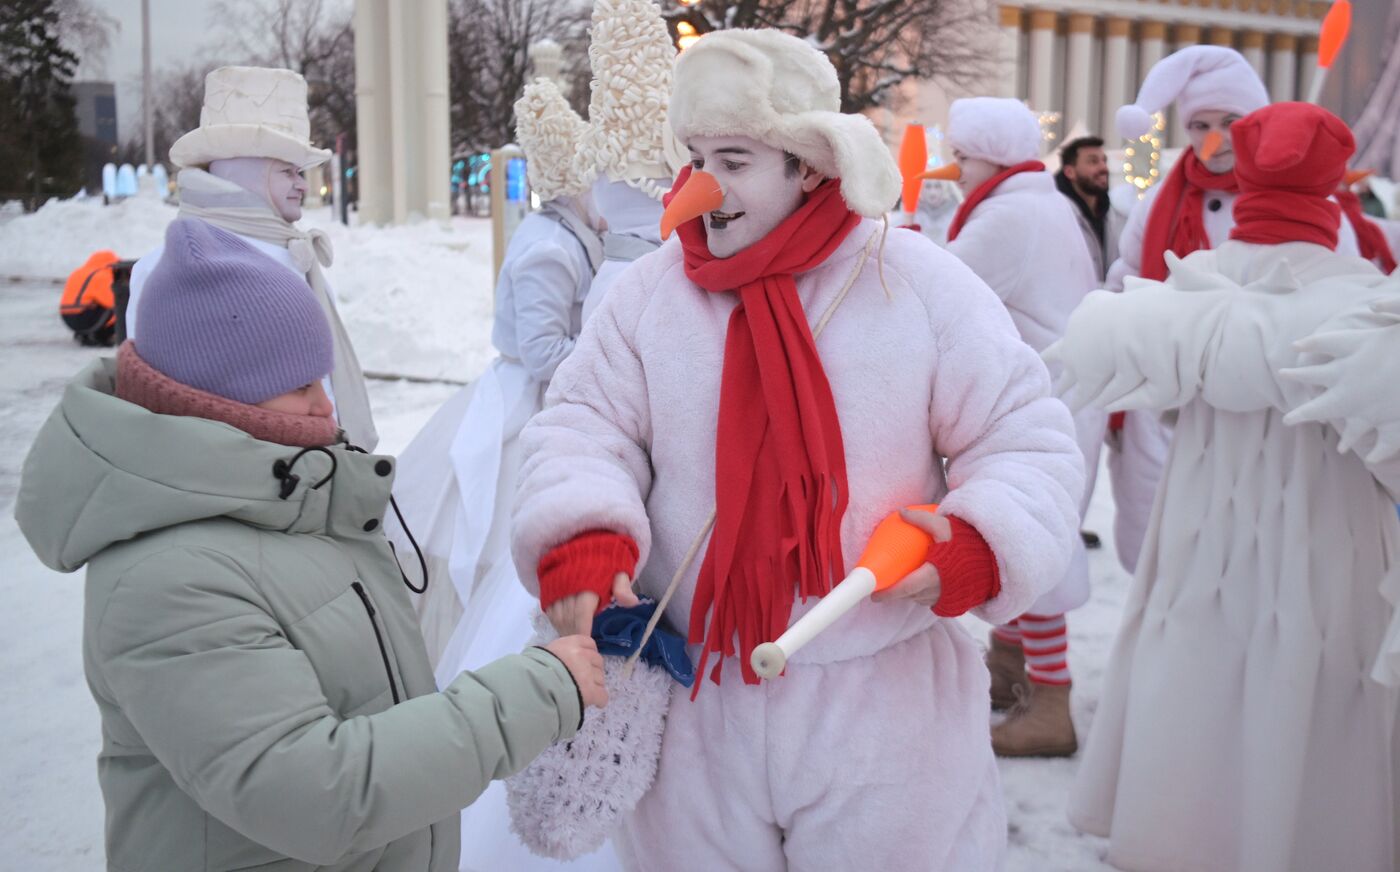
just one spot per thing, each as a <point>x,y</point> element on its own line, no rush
<point>417,301</point>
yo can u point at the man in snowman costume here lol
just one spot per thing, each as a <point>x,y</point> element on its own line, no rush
<point>1009,196</point>
<point>806,373</point>
<point>243,169</point>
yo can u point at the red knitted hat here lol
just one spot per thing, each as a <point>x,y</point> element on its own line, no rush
<point>1294,147</point>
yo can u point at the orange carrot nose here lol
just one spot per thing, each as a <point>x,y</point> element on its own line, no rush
<point>1354,176</point>
<point>700,194</point>
<point>946,173</point>
<point>1211,145</point>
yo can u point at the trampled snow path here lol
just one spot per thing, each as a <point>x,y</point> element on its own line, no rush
<point>51,814</point>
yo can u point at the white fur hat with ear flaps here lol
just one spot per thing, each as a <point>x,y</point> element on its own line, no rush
<point>632,59</point>
<point>1196,78</point>
<point>549,132</point>
<point>783,92</point>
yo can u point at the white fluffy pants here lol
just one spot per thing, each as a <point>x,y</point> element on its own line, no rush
<point>880,762</point>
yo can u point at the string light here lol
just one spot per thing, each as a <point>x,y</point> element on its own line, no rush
<point>1147,150</point>
<point>686,35</point>
<point>1048,120</point>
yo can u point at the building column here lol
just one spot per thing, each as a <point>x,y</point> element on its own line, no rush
<point>1283,68</point>
<point>1115,75</point>
<point>1222,36</point>
<point>1079,64</point>
<point>1308,67</point>
<point>1252,47</point>
<point>1010,49</point>
<point>1183,35</point>
<point>402,110</point>
<point>1042,60</point>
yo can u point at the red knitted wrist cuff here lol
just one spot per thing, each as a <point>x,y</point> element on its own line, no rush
<point>586,563</point>
<point>967,570</point>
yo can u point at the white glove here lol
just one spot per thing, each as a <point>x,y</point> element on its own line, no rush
<point>1353,374</point>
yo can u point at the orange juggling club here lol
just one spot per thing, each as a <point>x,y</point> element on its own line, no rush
<point>1211,145</point>
<point>895,549</point>
<point>1335,27</point>
<point>701,193</point>
<point>946,173</point>
<point>913,158</point>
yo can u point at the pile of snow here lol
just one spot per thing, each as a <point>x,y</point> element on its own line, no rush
<point>417,299</point>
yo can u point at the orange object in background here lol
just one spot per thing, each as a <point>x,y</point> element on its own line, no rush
<point>1335,27</point>
<point>89,304</point>
<point>913,160</point>
<point>947,173</point>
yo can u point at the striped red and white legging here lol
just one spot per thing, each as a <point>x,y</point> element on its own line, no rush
<point>1045,642</point>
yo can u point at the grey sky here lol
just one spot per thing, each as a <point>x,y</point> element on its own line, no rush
<point>178,29</point>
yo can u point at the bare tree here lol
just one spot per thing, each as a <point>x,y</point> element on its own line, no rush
<point>874,44</point>
<point>87,31</point>
<point>315,38</point>
<point>488,62</point>
<point>177,95</point>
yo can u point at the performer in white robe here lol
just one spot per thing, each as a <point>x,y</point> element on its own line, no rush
<point>1242,725</point>
<point>456,479</point>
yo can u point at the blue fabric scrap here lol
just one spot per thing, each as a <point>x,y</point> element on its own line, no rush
<point>617,631</point>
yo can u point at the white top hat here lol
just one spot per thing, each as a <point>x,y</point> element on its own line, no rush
<point>780,90</point>
<point>549,131</point>
<point>251,112</point>
<point>632,57</point>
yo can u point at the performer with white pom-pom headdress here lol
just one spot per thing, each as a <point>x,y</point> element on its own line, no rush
<point>628,144</point>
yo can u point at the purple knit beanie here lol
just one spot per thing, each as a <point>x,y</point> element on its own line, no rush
<point>221,316</point>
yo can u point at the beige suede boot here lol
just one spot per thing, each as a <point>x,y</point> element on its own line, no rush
<point>1008,667</point>
<point>1039,727</point>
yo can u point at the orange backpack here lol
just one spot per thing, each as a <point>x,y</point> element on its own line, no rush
<point>89,305</point>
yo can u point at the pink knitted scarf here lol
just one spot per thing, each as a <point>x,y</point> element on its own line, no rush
<point>140,383</point>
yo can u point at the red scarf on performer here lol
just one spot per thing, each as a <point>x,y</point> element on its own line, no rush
<point>780,465</point>
<point>1369,235</point>
<point>981,192</point>
<point>1275,217</point>
<point>1177,221</point>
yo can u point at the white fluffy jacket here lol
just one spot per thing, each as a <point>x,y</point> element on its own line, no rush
<point>1041,285</point>
<point>928,372</point>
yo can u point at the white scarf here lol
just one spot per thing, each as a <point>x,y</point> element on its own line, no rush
<point>224,204</point>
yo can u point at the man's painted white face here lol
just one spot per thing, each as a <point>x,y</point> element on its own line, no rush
<point>761,188</point>
<point>1209,121</point>
<point>975,171</point>
<point>286,189</point>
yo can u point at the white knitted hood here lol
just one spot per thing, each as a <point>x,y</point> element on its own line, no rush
<point>996,129</point>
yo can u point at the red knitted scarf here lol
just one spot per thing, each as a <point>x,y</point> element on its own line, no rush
<point>1274,217</point>
<point>780,465</point>
<point>981,192</point>
<point>1369,235</point>
<point>1177,221</point>
<point>140,383</point>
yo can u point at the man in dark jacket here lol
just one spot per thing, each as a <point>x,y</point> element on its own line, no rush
<point>1083,178</point>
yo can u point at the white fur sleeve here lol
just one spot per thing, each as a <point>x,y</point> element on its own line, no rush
<point>585,457</point>
<point>1014,469</point>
